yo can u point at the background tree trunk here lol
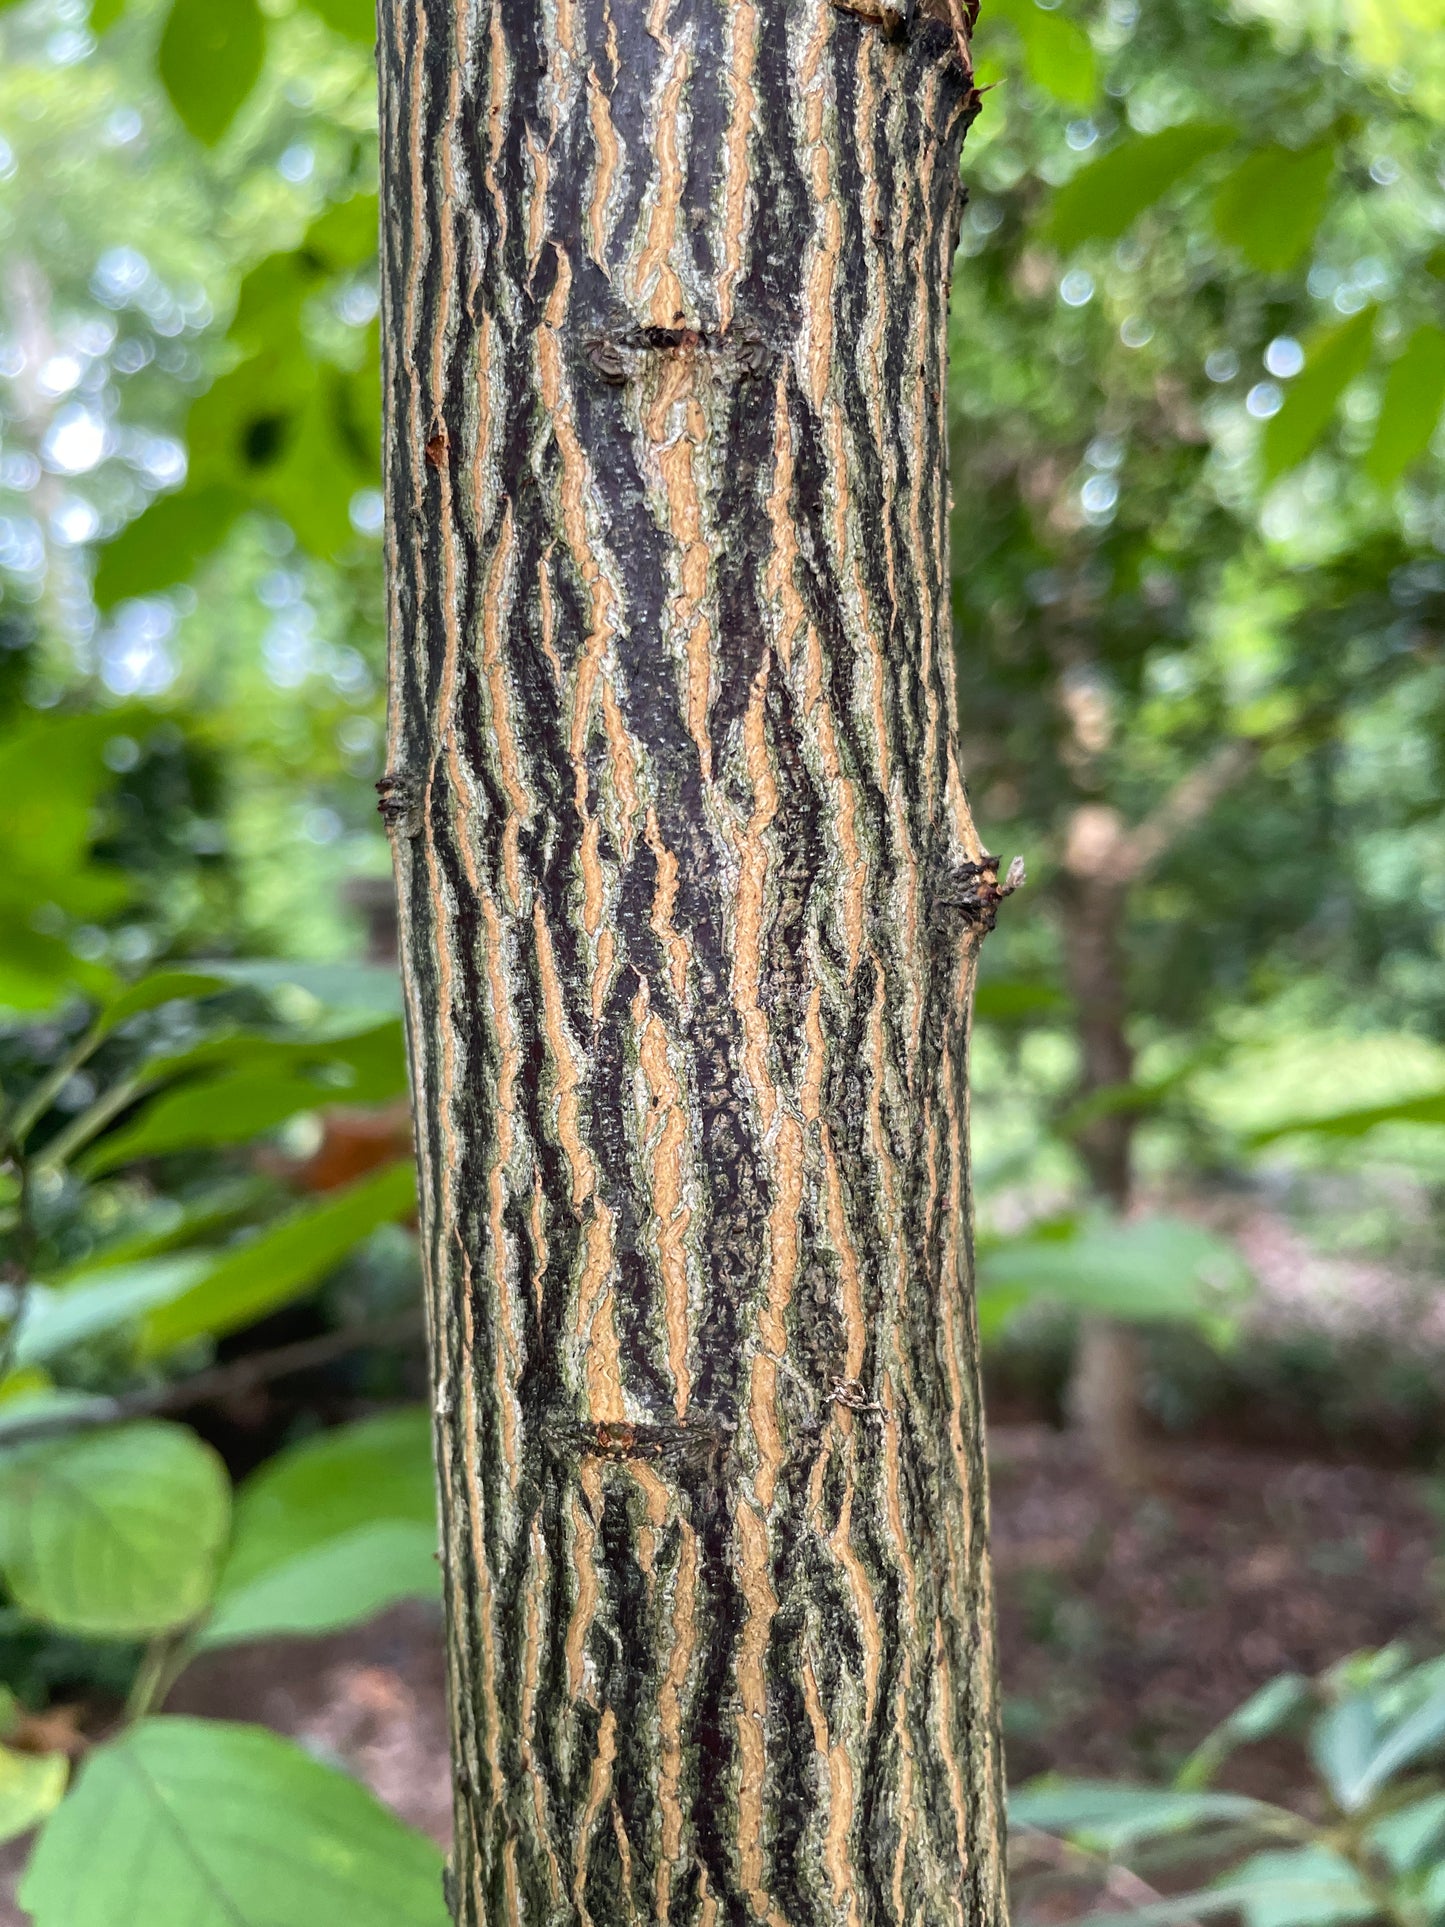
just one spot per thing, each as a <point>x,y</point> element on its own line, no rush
<point>690,901</point>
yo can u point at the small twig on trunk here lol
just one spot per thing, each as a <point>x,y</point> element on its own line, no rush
<point>220,1381</point>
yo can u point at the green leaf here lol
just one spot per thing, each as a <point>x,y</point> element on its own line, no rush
<point>210,57</point>
<point>1332,360</point>
<point>243,1101</point>
<point>1410,411</point>
<point>1157,1269</point>
<point>345,236</point>
<point>32,1785</point>
<point>1117,1815</point>
<point>1421,1732</point>
<point>1262,1714</point>
<point>193,1823</point>
<point>166,542</point>
<point>1427,1108</point>
<point>1343,1741</point>
<point>114,1534</point>
<point>1018,1000</point>
<point>1271,205</point>
<point>342,1582</point>
<point>1410,1837</point>
<point>1308,1887</point>
<point>149,993</point>
<point>104,14</point>
<point>331,1531</point>
<point>1058,54</point>
<point>1104,199</point>
<point>284,1261</point>
<point>354,18</point>
<point>92,1304</point>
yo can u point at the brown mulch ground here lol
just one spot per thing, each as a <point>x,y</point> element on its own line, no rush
<point>1129,1626</point>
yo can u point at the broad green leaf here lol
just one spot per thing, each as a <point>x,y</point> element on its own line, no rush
<point>1262,1714</point>
<point>284,1261</point>
<point>104,14</point>
<point>1155,1269</point>
<point>210,57</point>
<point>1116,1814</point>
<point>1307,1887</point>
<point>345,236</point>
<point>1427,1108</point>
<point>1271,205</point>
<point>340,1582</point>
<point>1332,360</point>
<point>332,1530</point>
<point>114,1534</point>
<point>92,1304</point>
<point>1310,1887</point>
<point>1343,1741</point>
<point>1018,1000</point>
<point>32,1785</point>
<point>354,18</point>
<point>1421,1732</point>
<point>166,542</point>
<point>1410,411</point>
<point>161,987</point>
<point>243,1101</point>
<point>194,1823</point>
<point>1057,52</point>
<point>1104,199</point>
<point>352,989</point>
<point>1410,1837</point>
<point>221,1110</point>
<point>378,1468</point>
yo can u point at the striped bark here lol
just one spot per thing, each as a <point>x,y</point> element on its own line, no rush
<point>690,901</point>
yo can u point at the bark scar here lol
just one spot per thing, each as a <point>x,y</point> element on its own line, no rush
<point>970,893</point>
<point>399,803</point>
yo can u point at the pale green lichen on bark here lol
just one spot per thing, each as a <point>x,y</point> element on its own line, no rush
<point>690,903</point>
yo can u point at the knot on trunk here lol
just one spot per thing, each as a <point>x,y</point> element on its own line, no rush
<point>968,894</point>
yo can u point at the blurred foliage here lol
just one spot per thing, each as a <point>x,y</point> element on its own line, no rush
<point>1197,381</point>
<point>1373,1730</point>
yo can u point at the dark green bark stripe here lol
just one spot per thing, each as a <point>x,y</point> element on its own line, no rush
<point>690,901</point>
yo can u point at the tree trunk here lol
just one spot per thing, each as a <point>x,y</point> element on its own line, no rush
<point>1104,1385</point>
<point>690,902</point>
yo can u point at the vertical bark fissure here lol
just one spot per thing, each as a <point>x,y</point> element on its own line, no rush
<point>690,901</point>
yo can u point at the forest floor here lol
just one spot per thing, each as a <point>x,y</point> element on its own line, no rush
<point>1129,1626</point>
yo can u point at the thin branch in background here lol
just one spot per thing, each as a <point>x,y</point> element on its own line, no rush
<point>219,1382</point>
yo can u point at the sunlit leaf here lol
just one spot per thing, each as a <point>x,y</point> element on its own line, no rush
<point>32,1785</point>
<point>193,1823</point>
<point>1104,199</point>
<point>210,57</point>
<point>1426,1108</point>
<point>354,18</point>
<point>1332,361</point>
<point>1058,53</point>
<point>104,14</point>
<point>1271,205</point>
<point>116,1534</point>
<point>1410,410</point>
<point>283,1261</point>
